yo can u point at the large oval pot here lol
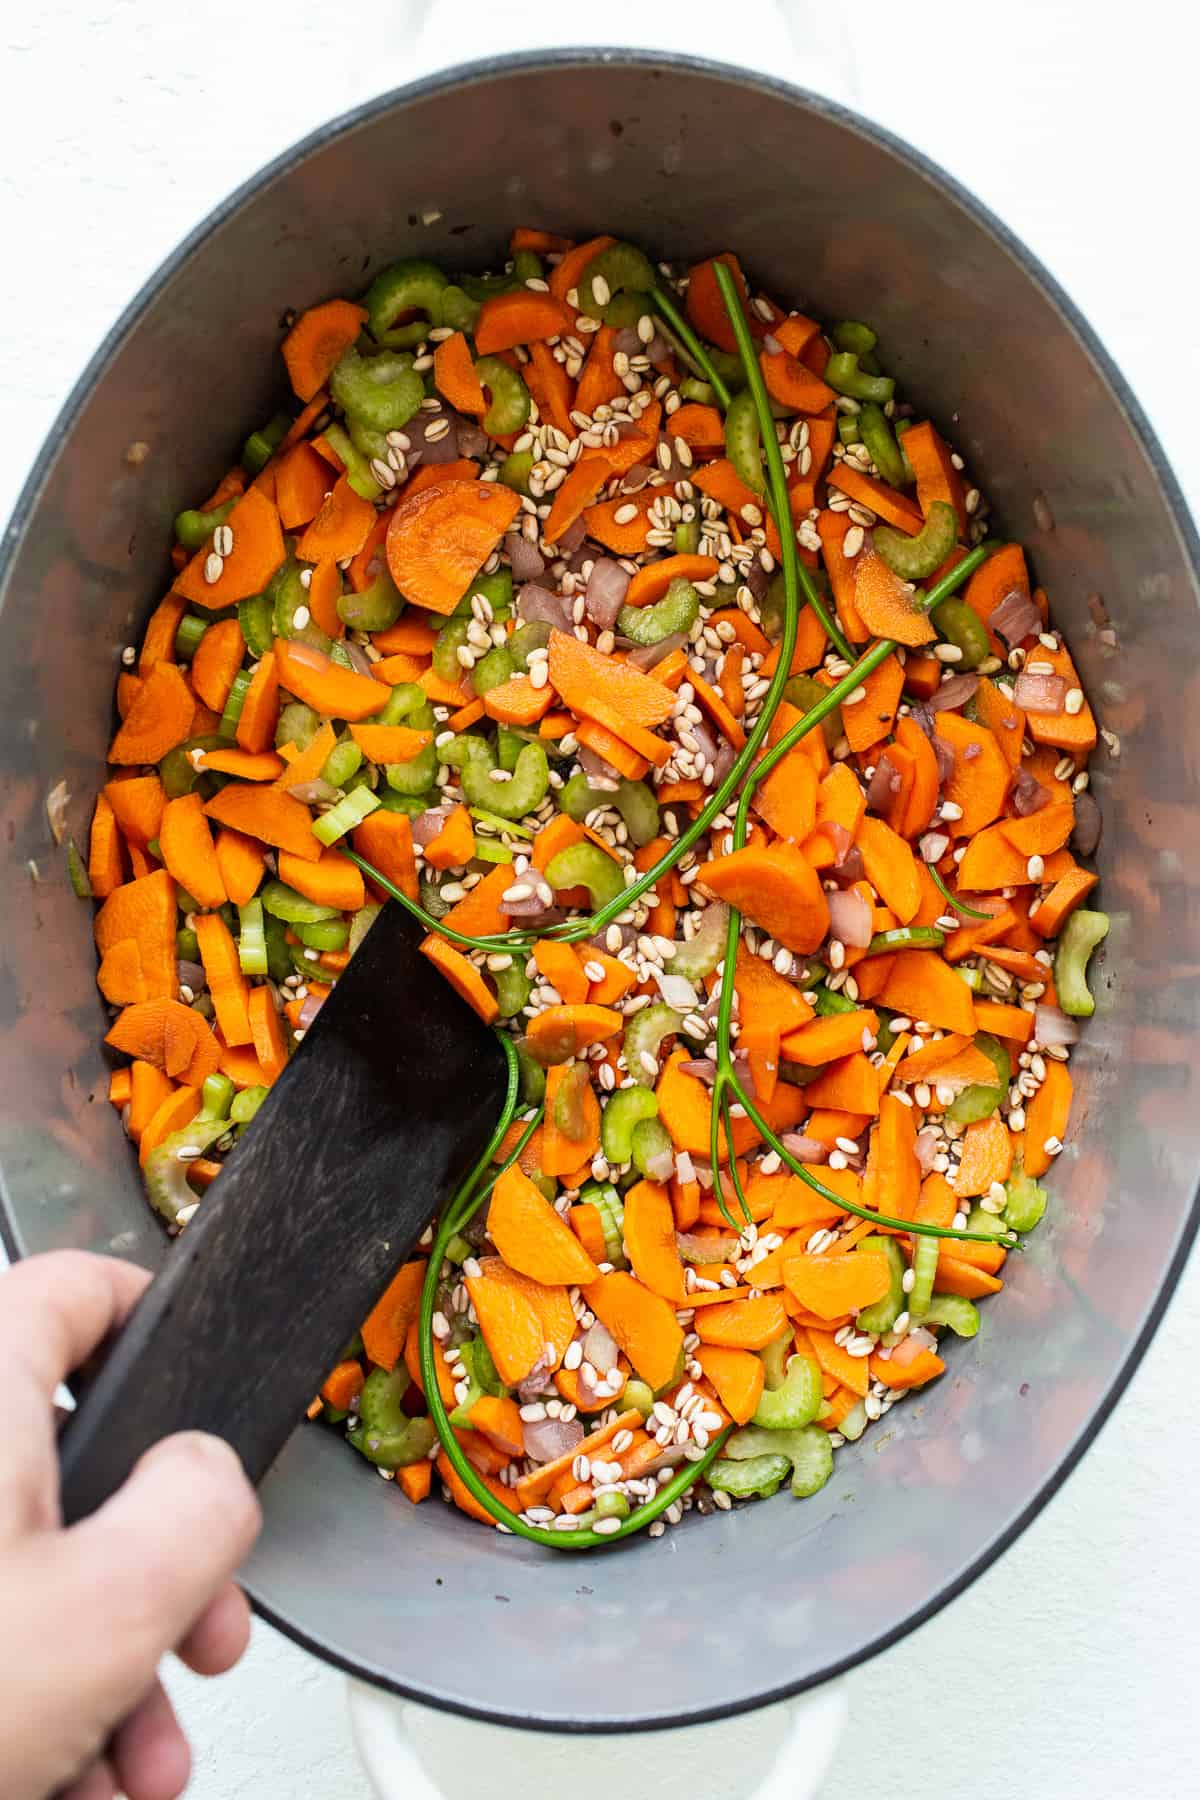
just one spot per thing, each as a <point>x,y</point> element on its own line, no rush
<point>831,214</point>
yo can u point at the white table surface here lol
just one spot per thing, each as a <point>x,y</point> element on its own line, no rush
<point>1066,1668</point>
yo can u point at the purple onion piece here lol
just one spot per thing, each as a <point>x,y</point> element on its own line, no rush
<point>925,1149</point>
<point>309,1009</point>
<point>702,1067</point>
<point>627,341</point>
<point>648,656</point>
<point>1088,824</point>
<point>473,440</point>
<point>605,593</point>
<point>850,918</point>
<point>1016,618</point>
<point>597,770</point>
<point>525,559</point>
<point>572,537</point>
<point>1054,1029</point>
<point>423,449</point>
<point>944,753</point>
<point>426,825</point>
<point>954,693</point>
<point>548,1439</point>
<point>601,1349</point>
<point>532,1385</point>
<point>849,867</point>
<point>933,846</point>
<point>536,602</point>
<point>1040,693</point>
<point>756,579</point>
<point>884,784</point>
<point>360,662</point>
<point>805,1149</point>
<point>191,974</point>
<point>1029,796</point>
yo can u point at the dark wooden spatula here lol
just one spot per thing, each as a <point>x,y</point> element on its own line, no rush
<point>389,1100</point>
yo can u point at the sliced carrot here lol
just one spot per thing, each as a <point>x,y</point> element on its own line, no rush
<point>440,537</point>
<point>317,341</point>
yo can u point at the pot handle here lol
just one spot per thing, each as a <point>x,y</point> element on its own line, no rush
<point>795,40</point>
<point>380,1724</point>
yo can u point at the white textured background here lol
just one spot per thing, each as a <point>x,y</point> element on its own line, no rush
<point>1067,1669</point>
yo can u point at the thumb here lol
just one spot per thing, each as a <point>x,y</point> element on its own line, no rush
<point>146,1565</point>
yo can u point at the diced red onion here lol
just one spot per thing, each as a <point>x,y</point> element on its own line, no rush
<point>702,732</point>
<point>1088,824</point>
<point>925,1149</point>
<point>311,793</point>
<point>422,448</point>
<point>535,907</point>
<point>426,825</point>
<point>658,349</point>
<point>756,579</point>
<point>548,1439</point>
<point>311,1006</point>
<point>805,1149</point>
<point>535,602</point>
<point>635,479</point>
<point>744,1071</point>
<point>629,934</point>
<point>677,991</point>
<point>524,558</point>
<point>700,1249</point>
<point>673,469</point>
<point>883,785</point>
<point>573,537</point>
<point>605,593</point>
<point>1040,693</point>
<point>1015,618</point>
<point>661,1166</point>
<point>538,1378</point>
<point>954,693</point>
<point>648,656</point>
<point>850,918</point>
<point>191,975</point>
<point>1029,796</point>
<point>472,438</point>
<point>702,1068</point>
<point>601,1349</point>
<point>933,846</point>
<point>944,753</point>
<point>360,662</point>
<point>600,774</point>
<point>1054,1028</point>
<point>922,714</point>
<point>627,341</point>
<point>849,868</point>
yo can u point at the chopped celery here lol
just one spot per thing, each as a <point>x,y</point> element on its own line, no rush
<point>980,1100</point>
<point>925,1263</point>
<point>652,1147</point>
<point>283,902</point>
<point>677,611</point>
<point>386,1435</point>
<point>515,470</point>
<point>343,761</point>
<point>844,375</point>
<point>297,725</point>
<point>533,1077</point>
<point>324,934</point>
<point>360,924</point>
<point>488,850</point>
<point>350,811</point>
<point>796,1402</point>
<point>291,615</point>
<point>806,1448</point>
<point>508,397</point>
<point>227,729</point>
<point>375,608</point>
<point>1026,1202</point>
<point>622,1111</point>
<point>882,1314</point>
<point>1080,935</point>
<point>417,775</point>
<point>252,942</point>
<point>256,616</point>
<point>804,692</point>
<point>951,1310</point>
<point>188,635</point>
<point>492,670</point>
<point>886,454</point>
<point>644,1034</point>
<point>77,875</point>
<point>700,954</point>
<point>614,274</point>
<point>244,1105</point>
<point>381,392</point>
<point>757,1477</point>
<point>512,799</point>
<point>193,529</point>
<point>607,1202</point>
<point>534,635</point>
<point>687,537</point>
<point>915,557</point>
<point>513,988</point>
<point>639,1395</point>
<point>585,865</point>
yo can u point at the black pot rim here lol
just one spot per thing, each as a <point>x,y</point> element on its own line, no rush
<point>463,76</point>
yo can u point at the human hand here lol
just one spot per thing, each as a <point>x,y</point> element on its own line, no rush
<point>86,1613</point>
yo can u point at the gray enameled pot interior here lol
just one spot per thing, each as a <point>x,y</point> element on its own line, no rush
<point>832,216</point>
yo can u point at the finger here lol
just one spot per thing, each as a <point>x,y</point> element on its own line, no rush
<point>56,1309</point>
<point>219,1637</point>
<point>149,1751</point>
<point>97,1783</point>
<point>147,1564</point>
